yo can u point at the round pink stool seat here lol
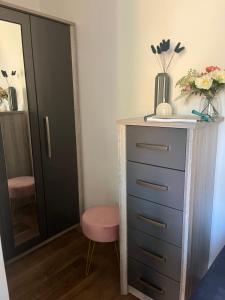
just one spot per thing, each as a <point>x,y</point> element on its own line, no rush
<point>21,187</point>
<point>101,223</point>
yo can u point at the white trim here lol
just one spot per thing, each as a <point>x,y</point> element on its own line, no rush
<point>77,116</point>
<point>186,238</point>
<point>123,208</point>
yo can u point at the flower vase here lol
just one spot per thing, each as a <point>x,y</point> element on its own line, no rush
<point>162,89</point>
<point>3,106</point>
<point>209,108</point>
<point>12,98</point>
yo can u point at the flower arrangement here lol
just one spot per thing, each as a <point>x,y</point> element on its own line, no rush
<point>3,99</point>
<point>3,94</point>
<point>208,83</point>
<point>12,94</point>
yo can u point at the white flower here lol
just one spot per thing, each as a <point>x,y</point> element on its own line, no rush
<point>218,75</point>
<point>204,82</point>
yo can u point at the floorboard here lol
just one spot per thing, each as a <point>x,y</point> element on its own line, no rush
<point>56,272</point>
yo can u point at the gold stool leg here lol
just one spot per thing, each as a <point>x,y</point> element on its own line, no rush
<point>117,252</point>
<point>91,248</point>
<point>88,255</point>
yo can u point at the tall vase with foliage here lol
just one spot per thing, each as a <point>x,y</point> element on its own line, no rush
<point>164,54</point>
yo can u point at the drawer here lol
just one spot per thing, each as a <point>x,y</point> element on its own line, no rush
<point>160,185</point>
<point>152,283</point>
<point>156,220</point>
<point>164,147</point>
<point>161,256</point>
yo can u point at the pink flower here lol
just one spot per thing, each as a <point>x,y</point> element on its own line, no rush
<point>212,68</point>
<point>187,88</point>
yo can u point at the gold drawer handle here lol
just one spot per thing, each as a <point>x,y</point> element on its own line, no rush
<point>151,286</point>
<point>153,255</point>
<point>151,221</point>
<point>153,146</point>
<point>151,185</point>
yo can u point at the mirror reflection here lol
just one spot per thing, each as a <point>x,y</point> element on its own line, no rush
<point>14,120</point>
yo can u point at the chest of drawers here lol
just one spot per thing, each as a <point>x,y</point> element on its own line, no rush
<point>166,197</point>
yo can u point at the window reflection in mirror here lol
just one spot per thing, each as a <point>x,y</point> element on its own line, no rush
<point>14,120</point>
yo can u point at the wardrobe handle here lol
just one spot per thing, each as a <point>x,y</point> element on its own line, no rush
<point>151,221</point>
<point>151,185</point>
<point>153,255</point>
<point>151,286</point>
<point>153,146</point>
<point>48,137</point>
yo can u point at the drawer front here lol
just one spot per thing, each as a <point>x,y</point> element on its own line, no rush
<point>161,256</point>
<point>156,220</point>
<point>152,283</point>
<point>164,147</point>
<point>160,185</point>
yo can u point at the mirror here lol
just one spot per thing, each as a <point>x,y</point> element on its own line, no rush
<point>15,126</point>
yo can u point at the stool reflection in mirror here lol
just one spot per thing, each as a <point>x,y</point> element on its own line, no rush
<point>20,188</point>
<point>100,224</point>
<point>22,196</point>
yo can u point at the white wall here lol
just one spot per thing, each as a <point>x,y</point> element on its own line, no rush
<point>142,22</point>
<point>117,72</point>
<point>31,4</point>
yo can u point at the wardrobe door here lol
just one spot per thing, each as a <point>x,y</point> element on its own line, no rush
<point>54,88</point>
<point>22,204</point>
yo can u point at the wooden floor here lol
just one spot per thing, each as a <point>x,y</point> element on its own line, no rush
<point>56,272</point>
<point>25,223</point>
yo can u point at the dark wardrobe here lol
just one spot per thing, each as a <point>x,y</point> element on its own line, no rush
<point>38,160</point>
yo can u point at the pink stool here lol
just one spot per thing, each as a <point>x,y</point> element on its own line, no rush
<point>21,187</point>
<point>100,224</point>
